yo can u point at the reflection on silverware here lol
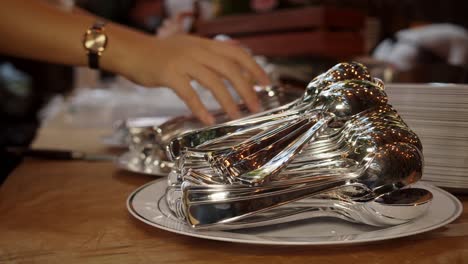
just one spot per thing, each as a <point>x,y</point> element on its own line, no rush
<point>341,135</point>
<point>396,207</point>
<point>147,137</point>
<point>145,161</point>
<point>393,167</point>
<point>124,131</point>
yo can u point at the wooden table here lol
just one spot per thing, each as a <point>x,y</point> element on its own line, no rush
<point>74,212</point>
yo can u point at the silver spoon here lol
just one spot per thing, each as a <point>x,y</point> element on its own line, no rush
<point>393,208</point>
<point>340,72</point>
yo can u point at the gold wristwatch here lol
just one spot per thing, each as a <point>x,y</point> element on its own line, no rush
<point>95,42</point>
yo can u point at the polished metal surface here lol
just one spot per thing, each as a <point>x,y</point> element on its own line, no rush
<point>339,150</point>
<point>391,208</point>
<point>147,138</point>
<point>392,167</point>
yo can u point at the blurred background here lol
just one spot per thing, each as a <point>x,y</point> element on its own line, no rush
<point>407,41</point>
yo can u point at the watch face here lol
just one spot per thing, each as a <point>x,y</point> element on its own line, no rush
<point>95,41</point>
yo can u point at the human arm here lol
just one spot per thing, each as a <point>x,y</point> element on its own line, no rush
<point>32,29</point>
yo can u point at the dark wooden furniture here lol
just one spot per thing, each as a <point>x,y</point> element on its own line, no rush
<point>313,31</point>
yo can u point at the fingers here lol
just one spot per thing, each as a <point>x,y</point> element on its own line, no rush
<point>239,55</point>
<point>185,91</point>
<point>212,81</point>
<point>208,62</point>
<point>233,73</point>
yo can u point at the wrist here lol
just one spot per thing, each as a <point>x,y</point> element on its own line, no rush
<point>120,49</point>
<point>109,60</point>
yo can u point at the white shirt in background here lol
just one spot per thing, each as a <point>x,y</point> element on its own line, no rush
<point>447,41</point>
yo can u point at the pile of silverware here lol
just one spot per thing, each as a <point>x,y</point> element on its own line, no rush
<point>147,138</point>
<point>340,151</point>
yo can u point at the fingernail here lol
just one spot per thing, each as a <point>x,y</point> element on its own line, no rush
<point>209,120</point>
<point>235,115</point>
<point>255,106</point>
<point>266,80</point>
<point>256,109</point>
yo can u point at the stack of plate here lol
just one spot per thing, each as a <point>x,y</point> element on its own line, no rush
<point>438,113</point>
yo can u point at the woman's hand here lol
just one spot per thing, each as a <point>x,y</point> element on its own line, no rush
<point>176,60</point>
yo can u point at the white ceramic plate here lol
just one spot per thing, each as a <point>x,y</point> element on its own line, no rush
<point>148,205</point>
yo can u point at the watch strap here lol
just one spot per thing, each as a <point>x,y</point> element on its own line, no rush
<point>98,25</point>
<point>93,60</point>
